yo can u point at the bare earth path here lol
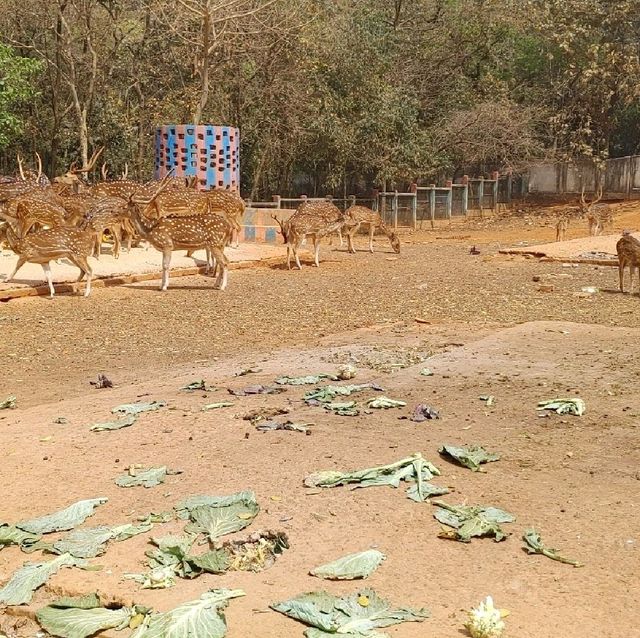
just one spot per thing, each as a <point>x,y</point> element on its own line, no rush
<point>491,332</point>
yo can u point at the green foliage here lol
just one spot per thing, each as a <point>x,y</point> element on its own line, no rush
<point>17,88</point>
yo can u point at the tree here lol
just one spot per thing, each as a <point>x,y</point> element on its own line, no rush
<point>17,87</point>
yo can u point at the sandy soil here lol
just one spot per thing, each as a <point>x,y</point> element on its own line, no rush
<point>491,331</point>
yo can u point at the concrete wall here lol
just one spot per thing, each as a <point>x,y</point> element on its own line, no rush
<point>621,178</point>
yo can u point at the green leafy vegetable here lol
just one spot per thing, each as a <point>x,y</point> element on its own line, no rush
<point>534,545</point>
<point>201,618</point>
<point>470,457</point>
<point>426,372</point>
<point>183,508</point>
<point>347,408</point>
<point>411,469</point>
<point>385,403</point>
<point>82,617</point>
<point>356,615</point>
<point>145,478</point>
<point>575,406</point>
<point>215,522</point>
<point>21,586</point>
<point>9,403</point>
<point>115,425</point>
<point>137,408</point>
<point>327,393</point>
<point>63,520</point>
<point>196,385</point>
<point>360,565</point>
<point>472,520</point>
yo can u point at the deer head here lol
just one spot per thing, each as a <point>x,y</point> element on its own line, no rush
<point>585,207</point>
<point>283,228</point>
<point>73,177</point>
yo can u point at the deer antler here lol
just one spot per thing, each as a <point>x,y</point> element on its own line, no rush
<point>92,162</point>
<point>39,167</point>
<point>24,179</point>
<point>104,171</point>
<point>598,194</point>
<point>147,200</point>
<point>125,173</point>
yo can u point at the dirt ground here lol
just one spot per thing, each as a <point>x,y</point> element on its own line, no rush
<point>486,327</point>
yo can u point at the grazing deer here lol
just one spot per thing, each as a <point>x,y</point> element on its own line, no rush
<point>561,228</point>
<point>628,249</point>
<point>47,245</point>
<point>358,216</point>
<point>598,215</point>
<point>208,230</point>
<point>313,219</point>
<point>112,214</point>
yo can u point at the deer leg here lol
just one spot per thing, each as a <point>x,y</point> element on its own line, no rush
<point>223,262</point>
<point>83,264</point>
<point>350,247</point>
<point>372,232</point>
<point>340,237</point>
<point>235,238</point>
<point>98,245</point>
<point>21,262</point>
<point>316,251</point>
<point>288,256</point>
<point>47,273</point>
<point>621,275</point>
<point>631,280</point>
<point>296,246</point>
<point>115,231</point>
<point>166,263</point>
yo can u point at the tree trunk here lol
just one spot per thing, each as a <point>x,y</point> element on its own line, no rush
<point>204,68</point>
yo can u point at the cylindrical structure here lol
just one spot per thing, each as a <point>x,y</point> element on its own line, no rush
<point>210,153</point>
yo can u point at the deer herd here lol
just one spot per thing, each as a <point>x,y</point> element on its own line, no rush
<point>66,217</point>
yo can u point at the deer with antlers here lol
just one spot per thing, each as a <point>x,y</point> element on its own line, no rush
<point>27,182</point>
<point>73,181</point>
<point>599,216</point>
<point>358,216</point>
<point>45,246</point>
<point>209,230</point>
<point>313,219</point>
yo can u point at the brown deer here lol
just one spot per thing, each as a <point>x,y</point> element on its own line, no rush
<point>358,216</point>
<point>72,181</point>
<point>209,230</point>
<point>112,214</point>
<point>313,219</point>
<point>628,249</point>
<point>47,245</point>
<point>598,215</point>
<point>561,228</point>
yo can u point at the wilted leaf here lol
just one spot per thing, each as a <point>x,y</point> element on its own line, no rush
<point>255,389</point>
<point>78,620</point>
<point>534,545</point>
<point>89,601</point>
<point>218,521</point>
<point>359,614</point>
<point>472,520</point>
<point>489,400</point>
<point>360,565</point>
<point>145,478</point>
<point>115,425</point>
<point>348,408</point>
<point>9,403</point>
<point>129,530</point>
<point>573,405</point>
<point>184,507</point>
<point>63,520</point>
<point>470,457</point>
<point>196,385</point>
<point>137,408</point>
<point>215,406</point>
<point>201,618</point>
<point>19,590</point>
<point>411,469</point>
<point>423,412</point>
<point>385,403</point>
<point>84,543</point>
<point>266,426</point>
<point>213,562</point>
<point>10,535</point>
<point>308,380</point>
<point>327,393</point>
<point>255,553</point>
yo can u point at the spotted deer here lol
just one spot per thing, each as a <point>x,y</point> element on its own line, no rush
<point>73,181</point>
<point>209,230</point>
<point>562,226</point>
<point>313,219</point>
<point>358,216</point>
<point>27,182</point>
<point>599,216</point>
<point>112,214</point>
<point>45,246</point>
<point>628,249</point>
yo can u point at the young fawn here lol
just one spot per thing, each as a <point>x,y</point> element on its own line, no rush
<point>561,228</point>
